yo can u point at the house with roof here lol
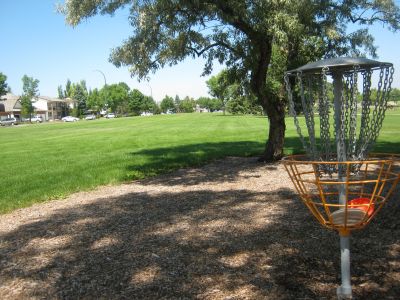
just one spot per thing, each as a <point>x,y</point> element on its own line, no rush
<point>48,108</point>
<point>10,106</point>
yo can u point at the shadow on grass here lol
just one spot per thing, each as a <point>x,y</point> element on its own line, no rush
<point>201,244</point>
<point>387,147</point>
<point>165,160</point>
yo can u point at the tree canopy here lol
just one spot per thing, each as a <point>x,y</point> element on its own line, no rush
<point>30,91</point>
<point>116,96</point>
<point>167,104</point>
<point>4,88</point>
<point>243,35</point>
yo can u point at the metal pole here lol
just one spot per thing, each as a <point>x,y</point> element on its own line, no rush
<point>343,291</point>
<point>104,76</point>
<point>151,91</point>
<point>105,84</point>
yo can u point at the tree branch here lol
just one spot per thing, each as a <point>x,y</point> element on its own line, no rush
<point>234,20</point>
<point>371,19</point>
<point>222,44</point>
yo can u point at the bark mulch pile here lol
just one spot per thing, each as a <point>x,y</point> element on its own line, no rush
<point>233,229</point>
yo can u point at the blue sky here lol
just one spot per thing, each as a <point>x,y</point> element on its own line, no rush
<point>36,41</point>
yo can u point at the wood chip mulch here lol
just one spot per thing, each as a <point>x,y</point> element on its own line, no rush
<point>233,229</point>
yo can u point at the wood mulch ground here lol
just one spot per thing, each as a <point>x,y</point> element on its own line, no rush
<point>233,229</point>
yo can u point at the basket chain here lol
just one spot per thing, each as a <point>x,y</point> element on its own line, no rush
<point>381,103</point>
<point>346,101</point>
<point>365,113</point>
<point>353,113</point>
<point>351,148</point>
<point>310,120</point>
<point>340,127</point>
<point>371,126</point>
<point>324,109</point>
<point>325,133</point>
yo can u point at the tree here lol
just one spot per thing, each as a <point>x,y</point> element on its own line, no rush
<point>30,92</point>
<point>68,89</point>
<point>240,103</point>
<point>117,97</point>
<point>218,87</point>
<point>149,105</point>
<point>177,102</point>
<point>60,92</point>
<point>80,95</point>
<point>123,104</point>
<point>124,86</point>
<point>94,101</point>
<point>135,100</point>
<point>242,34</point>
<point>232,95</point>
<point>187,105</point>
<point>167,104</point>
<point>4,88</point>
<point>76,91</point>
<point>395,95</point>
<point>212,104</point>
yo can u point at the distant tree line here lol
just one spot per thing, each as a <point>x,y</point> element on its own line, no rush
<point>227,95</point>
<point>119,98</point>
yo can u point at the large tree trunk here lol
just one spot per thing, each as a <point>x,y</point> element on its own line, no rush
<point>276,135</point>
<point>273,107</point>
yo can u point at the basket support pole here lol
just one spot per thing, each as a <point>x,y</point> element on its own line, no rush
<point>344,290</point>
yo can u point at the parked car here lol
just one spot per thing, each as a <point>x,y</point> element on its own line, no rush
<point>69,119</point>
<point>9,122</point>
<point>90,117</point>
<point>110,116</point>
<point>37,119</point>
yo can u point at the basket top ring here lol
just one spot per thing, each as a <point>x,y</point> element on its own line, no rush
<point>373,158</point>
<point>340,64</point>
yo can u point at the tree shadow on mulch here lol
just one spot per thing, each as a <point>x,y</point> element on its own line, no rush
<point>233,244</point>
<point>203,244</point>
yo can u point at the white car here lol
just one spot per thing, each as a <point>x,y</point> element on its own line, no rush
<point>90,117</point>
<point>36,119</point>
<point>110,115</point>
<point>69,119</point>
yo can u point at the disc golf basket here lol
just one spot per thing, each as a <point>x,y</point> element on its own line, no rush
<point>342,184</point>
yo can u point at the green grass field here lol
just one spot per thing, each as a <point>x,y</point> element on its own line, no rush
<point>47,161</point>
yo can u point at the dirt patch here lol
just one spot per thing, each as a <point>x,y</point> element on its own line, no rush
<point>233,229</point>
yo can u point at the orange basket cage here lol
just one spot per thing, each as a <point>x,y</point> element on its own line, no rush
<point>367,183</point>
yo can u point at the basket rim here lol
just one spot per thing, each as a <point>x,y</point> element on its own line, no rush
<point>373,158</point>
<point>339,64</point>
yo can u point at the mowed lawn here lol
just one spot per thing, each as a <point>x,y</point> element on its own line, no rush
<point>47,161</point>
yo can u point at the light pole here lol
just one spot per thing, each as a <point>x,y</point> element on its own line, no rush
<point>105,84</point>
<point>104,76</point>
<point>151,91</point>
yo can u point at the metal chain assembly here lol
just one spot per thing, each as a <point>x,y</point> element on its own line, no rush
<point>324,110</point>
<point>354,136</point>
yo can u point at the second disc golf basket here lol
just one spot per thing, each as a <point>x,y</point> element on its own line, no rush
<point>342,184</point>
